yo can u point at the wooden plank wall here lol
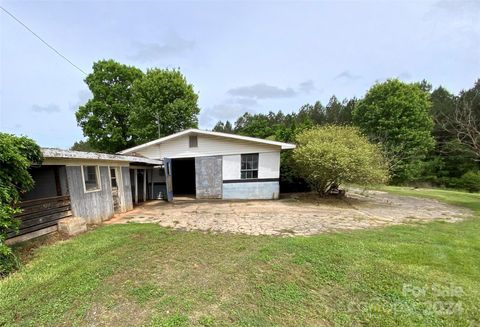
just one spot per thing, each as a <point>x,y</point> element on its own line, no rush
<point>127,189</point>
<point>94,206</point>
<point>42,213</point>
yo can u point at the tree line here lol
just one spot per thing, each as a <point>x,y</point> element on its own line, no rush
<point>427,135</point>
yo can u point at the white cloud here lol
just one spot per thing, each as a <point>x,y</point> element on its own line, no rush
<point>50,108</point>
<point>83,97</point>
<point>347,75</point>
<point>230,109</point>
<point>262,91</point>
<point>307,86</point>
<point>172,45</point>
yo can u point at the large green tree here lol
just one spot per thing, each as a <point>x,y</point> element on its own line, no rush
<point>164,103</point>
<point>397,115</point>
<point>16,156</point>
<point>104,119</point>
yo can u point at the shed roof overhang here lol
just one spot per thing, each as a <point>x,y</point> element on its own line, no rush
<point>59,156</point>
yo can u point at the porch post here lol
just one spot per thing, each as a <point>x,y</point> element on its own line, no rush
<point>151,180</point>
<point>136,186</point>
<point>144,185</point>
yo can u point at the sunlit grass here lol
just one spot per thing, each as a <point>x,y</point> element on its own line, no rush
<point>123,275</point>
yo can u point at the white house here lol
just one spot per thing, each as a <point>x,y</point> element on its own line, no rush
<point>217,165</point>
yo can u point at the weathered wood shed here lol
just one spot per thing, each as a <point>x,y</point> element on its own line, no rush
<point>90,185</point>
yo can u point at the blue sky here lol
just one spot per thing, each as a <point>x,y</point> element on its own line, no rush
<point>240,56</point>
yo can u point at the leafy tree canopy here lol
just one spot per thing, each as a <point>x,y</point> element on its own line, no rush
<point>223,127</point>
<point>104,119</point>
<point>83,146</point>
<point>164,103</point>
<point>333,155</point>
<point>397,115</point>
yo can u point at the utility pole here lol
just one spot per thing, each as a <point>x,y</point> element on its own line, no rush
<point>158,124</point>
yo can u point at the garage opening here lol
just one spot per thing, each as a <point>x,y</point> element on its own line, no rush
<point>183,177</point>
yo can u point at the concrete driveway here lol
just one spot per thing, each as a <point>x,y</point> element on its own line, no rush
<point>295,214</point>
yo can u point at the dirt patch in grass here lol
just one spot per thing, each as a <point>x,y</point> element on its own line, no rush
<point>26,250</point>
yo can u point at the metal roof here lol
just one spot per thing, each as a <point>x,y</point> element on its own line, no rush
<point>195,131</point>
<point>70,154</point>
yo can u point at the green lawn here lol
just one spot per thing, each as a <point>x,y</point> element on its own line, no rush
<point>123,275</point>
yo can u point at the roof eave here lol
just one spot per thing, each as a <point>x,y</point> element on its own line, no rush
<point>282,145</point>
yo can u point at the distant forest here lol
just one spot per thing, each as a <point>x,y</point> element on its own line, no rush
<point>453,124</point>
<point>427,136</point>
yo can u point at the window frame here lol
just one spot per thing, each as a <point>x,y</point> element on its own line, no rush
<point>97,172</point>
<point>247,170</point>
<point>190,138</point>
<point>116,170</point>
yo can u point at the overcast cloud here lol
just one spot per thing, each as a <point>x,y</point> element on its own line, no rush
<point>240,56</point>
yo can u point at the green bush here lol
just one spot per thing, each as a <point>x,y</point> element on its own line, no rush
<point>333,155</point>
<point>16,156</point>
<point>8,261</point>
<point>470,181</point>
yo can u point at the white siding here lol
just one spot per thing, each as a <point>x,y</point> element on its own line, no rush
<point>207,146</point>
<point>152,152</point>
<point>231,167</point>
<point>269,165</point>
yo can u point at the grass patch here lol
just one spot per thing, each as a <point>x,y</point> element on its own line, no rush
<point>141,274</point>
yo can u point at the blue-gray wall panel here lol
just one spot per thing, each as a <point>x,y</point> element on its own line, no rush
<point>208,177</point>
<point>259,190</point>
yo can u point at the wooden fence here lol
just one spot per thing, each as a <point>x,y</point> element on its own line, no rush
<point>42,213</point>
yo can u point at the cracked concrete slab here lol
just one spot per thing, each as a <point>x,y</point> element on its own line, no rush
<point>294,214</point>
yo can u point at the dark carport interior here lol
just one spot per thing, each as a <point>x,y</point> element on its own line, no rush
<point>183,176</point>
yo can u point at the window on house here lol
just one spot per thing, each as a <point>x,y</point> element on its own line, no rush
<point>113,178</point>
<point>249,166</point>
<point>90,178</point>
<point>193,141</point>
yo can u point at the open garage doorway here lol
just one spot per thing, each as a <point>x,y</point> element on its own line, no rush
<point>183,177</point>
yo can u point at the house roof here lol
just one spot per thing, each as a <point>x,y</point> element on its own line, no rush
<point>53,153</point>
<point>283,146</point>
